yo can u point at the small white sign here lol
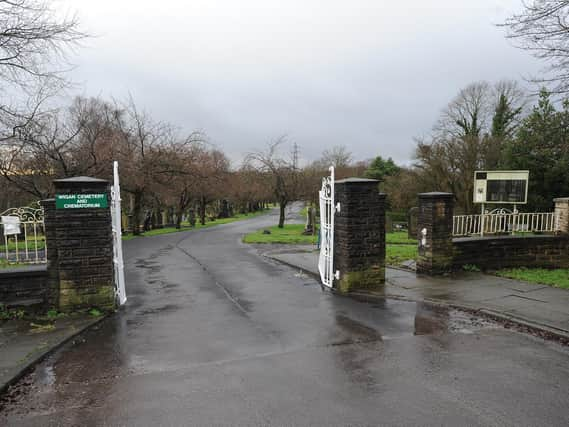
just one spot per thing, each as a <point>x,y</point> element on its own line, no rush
<point>11,225</point>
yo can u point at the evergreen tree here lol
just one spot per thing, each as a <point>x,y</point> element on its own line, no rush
<point>541,146</point>
<point>380,168</point>
<point>504,118</point>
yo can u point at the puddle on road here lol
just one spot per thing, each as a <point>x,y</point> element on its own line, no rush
<point>391,318</point>
<point>431,320</point>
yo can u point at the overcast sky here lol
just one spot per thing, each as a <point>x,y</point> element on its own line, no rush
<point>368,74</point>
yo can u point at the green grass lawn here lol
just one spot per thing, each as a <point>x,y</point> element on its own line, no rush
<point>396,254</point>
<point>22,245</point>
<point>291,233</point>
<point>399,248</point>
<point>558,278</point>
<point>186,226</point>
<point>399,238</point>
<point>6,264</point>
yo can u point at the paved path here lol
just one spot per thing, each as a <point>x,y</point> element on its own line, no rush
<point>24,342</point>
<point>539,305</point>
<point>215,334</point>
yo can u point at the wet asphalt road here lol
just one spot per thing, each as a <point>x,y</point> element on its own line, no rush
<point>215,334</point>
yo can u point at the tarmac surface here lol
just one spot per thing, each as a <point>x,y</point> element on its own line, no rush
<point>216,334</point>
<point>540,306</point>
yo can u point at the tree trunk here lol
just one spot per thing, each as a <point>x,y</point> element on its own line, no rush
<point>202,211</point>
<point>179,218</point>
<point>282,206</point>
<point>137,213</point>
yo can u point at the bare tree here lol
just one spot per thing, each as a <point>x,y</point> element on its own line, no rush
<point>33,41</point>
<point>542,28</point>
<point>467,113</point>
<point>469,136</point>
<point>59,143</point>
<point>338,156</point>
<point>33,46</point>
<point>282,171</point>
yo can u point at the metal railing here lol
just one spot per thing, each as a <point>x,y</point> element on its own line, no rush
<point>23,232</point>
<point>505,223</point>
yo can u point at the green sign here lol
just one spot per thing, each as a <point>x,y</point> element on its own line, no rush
<point>81,201</point>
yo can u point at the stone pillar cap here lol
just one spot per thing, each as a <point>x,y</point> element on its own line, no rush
<point>436,195</point>
<point>356,180</point>
<point>85,179</point>
<point>561,199</point>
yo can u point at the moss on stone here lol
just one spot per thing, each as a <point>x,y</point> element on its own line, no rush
<point>371,278</point>
<point>71,299</point>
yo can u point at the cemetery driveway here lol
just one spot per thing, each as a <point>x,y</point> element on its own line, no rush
<point>215,334</point>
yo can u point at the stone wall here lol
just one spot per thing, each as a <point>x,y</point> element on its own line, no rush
<point>562,212</point>
<point>434,233</point>
<point>359,236</point>
<point>80,254</point>
<point>492,253</point>
<point>24,286</point>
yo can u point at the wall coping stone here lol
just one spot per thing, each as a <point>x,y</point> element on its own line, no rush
<point>81,179</point>
<point>561,199</point>
<point>32,270</point>
<point>436,195</point>
<point>356,181</point>
<point>490,238</point>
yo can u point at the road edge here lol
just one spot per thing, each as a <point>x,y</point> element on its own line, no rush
<point>509,321</point>
<point>42,355</point>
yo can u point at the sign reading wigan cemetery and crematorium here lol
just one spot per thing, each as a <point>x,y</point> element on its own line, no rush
<point>81,201</point>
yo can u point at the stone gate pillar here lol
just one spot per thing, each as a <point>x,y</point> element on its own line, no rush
<point>359,235</point>
<point>434,233</point>
<point>562,213</point>
<point>79,245</point>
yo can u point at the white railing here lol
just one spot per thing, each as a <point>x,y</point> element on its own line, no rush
<point>23,233</point>
<point>505,223</point>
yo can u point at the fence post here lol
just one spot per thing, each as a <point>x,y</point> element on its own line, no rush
<point>51,252</point>
<point>359,235</point>
<point>562,214</point>
<point>434,233</point>
<point>80,251</point>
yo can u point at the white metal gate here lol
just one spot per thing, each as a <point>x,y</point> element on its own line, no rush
<point>327,211</point>
<point>23,231</point>
<point>117,236</point>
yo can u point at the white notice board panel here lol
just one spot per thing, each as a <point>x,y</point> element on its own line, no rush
<point>501,187</point>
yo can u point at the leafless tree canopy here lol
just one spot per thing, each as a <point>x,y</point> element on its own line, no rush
<point>338,156</point>
<point>33,46</point>
<point>283,173</point>
<point>33,41</point>
<point>543,29</point>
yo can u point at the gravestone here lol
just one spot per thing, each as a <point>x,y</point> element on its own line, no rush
<point>388,224</point>
<point>224,209</point>
<point>309,226</point>
<point>412,222</point>
<point>192,217</point>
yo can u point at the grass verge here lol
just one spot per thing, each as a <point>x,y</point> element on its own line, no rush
<point>291,234</point>
<point>399,238</point>
<point>558,278</point>
<point>186,226</point>
<point>396,254</point>
<point>21,245</point>
<point>399,247</point>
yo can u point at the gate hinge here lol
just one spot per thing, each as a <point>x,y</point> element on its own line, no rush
<point>337,275</point>
<point>338,207</point>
